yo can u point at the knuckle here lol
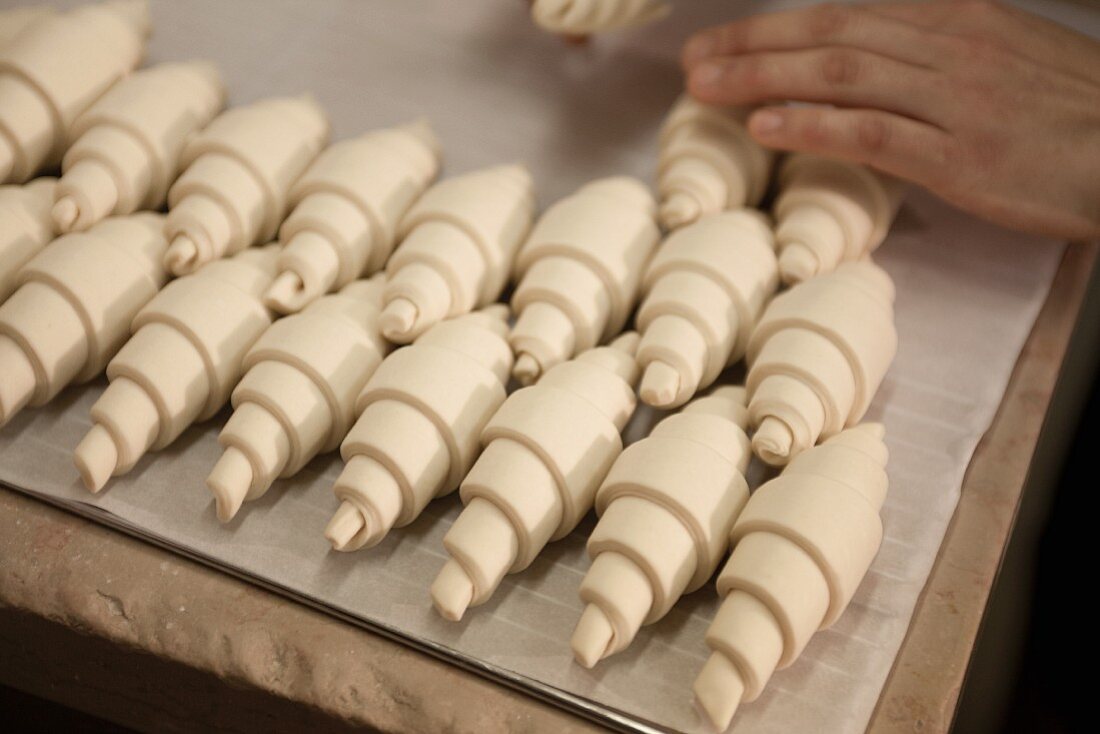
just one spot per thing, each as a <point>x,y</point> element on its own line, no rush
<point>815,132</point>
<point>965,161</point>
<point>733,38</point>
<point>753,72</point>
<point>841,68</point>
<point>828,20</point>
<point>942,158</point>
<point>983,153</point>
<point>872,135</point>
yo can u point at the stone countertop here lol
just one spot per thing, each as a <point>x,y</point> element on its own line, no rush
<point>127,631</point>
<point>133,633</point>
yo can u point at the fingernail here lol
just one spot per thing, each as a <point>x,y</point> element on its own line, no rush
<point>765,122</point>
<point>707,75</point>
<point>698,48</point>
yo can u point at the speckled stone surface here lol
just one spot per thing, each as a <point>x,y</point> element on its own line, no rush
<point>130,632</point>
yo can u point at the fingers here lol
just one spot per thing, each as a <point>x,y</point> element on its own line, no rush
<point>958,15</point>
<point>897,145</point>
<point>840,76</point>
<point>966,23</point>
<point>933,14</point>
<point>821,25</point>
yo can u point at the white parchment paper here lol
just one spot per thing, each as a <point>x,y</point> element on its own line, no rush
<point>499,90</point>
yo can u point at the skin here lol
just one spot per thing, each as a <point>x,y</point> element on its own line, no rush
<point>989,107</point>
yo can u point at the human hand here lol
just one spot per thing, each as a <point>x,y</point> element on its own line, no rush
<point>989,107</point>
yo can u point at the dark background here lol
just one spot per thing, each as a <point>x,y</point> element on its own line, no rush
<point>1037,635</point>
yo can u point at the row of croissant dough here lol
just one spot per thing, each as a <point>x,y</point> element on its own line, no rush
<point>371,252</point>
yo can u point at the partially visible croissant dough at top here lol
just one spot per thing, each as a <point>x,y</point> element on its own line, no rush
<point>127,145</point>
<point>346,210</point>
<point>593,16</point>
<point>420,417</point>
<point>25,227</point>
<point>704,290</point>
<point>830,211</point>
<point>457,246</point>
<point>546,451</point>
<point>236,176</point>
<point>16,20</point>
<point>800,549</point>
<point>73,307</point>
<point>708,162</point>
<point>817,357</point>
<point>666,509</point>
<point>54,69</point>
<point>180,365</point>
<point>297,396</point>
<point>579,272</point>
